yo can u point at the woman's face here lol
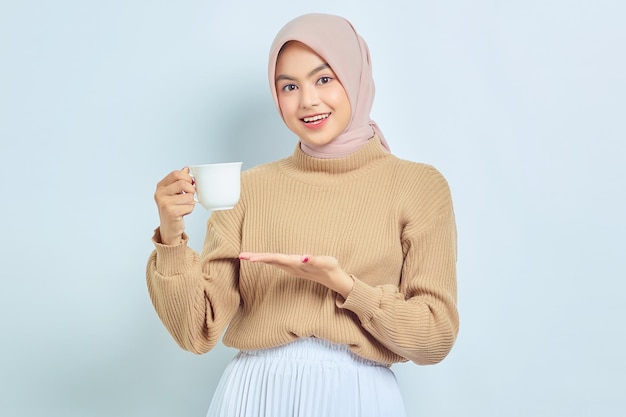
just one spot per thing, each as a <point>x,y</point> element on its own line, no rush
<point>312,101</point>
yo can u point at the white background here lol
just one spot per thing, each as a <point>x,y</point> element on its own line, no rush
<point>520,104</point>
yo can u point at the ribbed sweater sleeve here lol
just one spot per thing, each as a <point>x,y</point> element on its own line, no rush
<point>195,300</point>
<point>417,320</point>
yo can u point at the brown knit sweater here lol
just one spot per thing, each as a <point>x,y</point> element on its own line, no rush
<point>389,222</point>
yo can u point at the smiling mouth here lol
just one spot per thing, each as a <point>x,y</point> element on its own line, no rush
<point>315,119</point>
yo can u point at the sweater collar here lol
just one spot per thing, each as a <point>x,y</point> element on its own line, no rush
<point>369,153</point>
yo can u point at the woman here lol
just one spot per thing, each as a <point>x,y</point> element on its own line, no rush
<point>337,262</point>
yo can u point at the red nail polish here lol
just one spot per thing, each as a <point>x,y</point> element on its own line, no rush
<point>305,260</point>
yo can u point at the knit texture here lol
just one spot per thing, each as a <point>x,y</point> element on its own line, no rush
<point>389,222</point>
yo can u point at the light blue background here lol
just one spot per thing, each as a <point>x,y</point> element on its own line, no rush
<point>521,104</point>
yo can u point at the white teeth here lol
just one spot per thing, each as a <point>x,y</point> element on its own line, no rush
<point>316,118</point>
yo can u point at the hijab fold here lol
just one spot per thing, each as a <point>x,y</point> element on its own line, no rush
<point>345,51</point>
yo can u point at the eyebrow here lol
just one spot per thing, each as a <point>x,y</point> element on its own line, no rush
<point>313,72</point>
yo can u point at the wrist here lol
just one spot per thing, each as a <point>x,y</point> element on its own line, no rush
<point>343,284</point>
<point>168,239</point>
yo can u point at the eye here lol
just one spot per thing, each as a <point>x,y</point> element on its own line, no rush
<point>289,87</point>
<point>324,80</point>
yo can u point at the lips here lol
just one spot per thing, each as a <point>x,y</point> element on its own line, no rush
<point>316,119</point>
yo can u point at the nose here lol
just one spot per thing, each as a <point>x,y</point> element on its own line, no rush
<point>309,97</point>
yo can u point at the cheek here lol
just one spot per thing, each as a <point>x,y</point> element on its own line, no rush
<point>342,106</point>
<point>285,104</point>
<point>341,101</point>
<point>288,113</point>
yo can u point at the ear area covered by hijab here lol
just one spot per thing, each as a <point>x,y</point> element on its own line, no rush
<point>336,41</point>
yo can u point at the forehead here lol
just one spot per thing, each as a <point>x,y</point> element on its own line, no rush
<point>296,55</point>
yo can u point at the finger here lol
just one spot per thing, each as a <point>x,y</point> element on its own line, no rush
<point>173,206</point>
<point>175,176</point>
<point>275,258</point>
<point>257,256</point>
<point>183,186</point>
<point>179,199</point>
<point>173,189</point>
<point>187,171</point>
<point>260,256</point>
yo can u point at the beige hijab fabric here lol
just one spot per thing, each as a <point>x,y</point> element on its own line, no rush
<point>338,43</point>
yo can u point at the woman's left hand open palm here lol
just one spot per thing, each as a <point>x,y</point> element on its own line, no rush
<point>322,269</point>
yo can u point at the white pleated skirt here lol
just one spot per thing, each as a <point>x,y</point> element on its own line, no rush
<point>306,378</point>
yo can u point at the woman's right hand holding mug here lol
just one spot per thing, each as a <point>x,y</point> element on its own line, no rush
<point>174,197</point>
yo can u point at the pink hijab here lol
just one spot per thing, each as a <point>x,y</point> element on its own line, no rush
<point>337,42</point>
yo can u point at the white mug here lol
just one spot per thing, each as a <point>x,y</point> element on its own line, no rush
<point>217,185</point>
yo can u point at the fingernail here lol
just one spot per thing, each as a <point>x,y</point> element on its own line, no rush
<point>193,181</point>
<point>305,259</point>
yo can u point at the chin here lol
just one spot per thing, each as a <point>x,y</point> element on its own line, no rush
<point>316,143</point>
